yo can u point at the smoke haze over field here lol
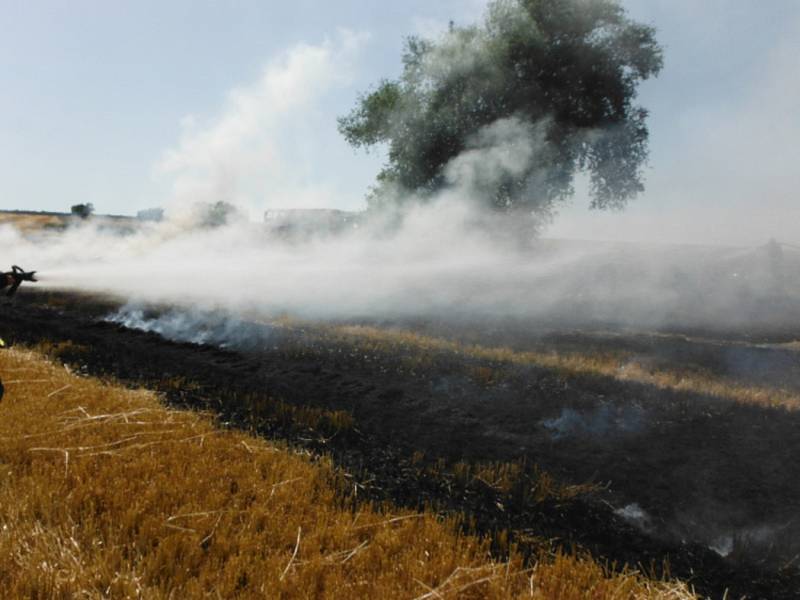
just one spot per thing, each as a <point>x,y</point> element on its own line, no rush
<point>94,112</point>
<point>263,148</point>
<point>439,264</point>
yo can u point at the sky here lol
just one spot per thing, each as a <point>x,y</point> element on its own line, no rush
<point>130,105</point>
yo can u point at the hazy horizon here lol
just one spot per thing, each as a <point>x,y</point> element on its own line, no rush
<point>134,106</point>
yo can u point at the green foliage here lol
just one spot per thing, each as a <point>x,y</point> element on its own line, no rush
<point>84,211</point>
<point>541,90</point>
<point>217,214</point>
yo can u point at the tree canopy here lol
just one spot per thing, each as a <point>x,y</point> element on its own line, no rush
<point>541,90</point>
<point>84,211</point>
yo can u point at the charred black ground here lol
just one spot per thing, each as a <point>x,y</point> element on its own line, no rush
<point>700,468</point>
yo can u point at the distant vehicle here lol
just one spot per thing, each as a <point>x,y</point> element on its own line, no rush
<point>151,214</point>
<point>303,223</point>
<point>13,279</point>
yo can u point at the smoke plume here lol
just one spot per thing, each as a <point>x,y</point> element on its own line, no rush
<point>445,259</point>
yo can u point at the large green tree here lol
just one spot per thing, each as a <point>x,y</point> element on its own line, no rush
<point>541,90</point>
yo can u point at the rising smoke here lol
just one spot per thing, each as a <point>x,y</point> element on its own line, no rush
<point>438,262</point>
<point>446,258</point>
<point>442,260</point>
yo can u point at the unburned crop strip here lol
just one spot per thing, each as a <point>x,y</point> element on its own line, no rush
<point>164,504</point>
<point>615,365</point>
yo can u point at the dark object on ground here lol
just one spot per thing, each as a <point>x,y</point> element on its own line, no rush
<point>13,279</point>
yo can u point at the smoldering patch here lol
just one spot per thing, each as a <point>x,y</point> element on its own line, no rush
<point>755,540</point>
<point>636,516</point>
<point>217,328</point>
<point>600,421</point>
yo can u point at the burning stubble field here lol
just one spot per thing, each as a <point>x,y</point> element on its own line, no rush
<point>107,493</point>
<point>666,452</point>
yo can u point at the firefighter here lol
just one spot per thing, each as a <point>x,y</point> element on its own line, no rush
<point>11,280</point>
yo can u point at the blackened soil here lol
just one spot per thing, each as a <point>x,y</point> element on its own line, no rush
<point>700,468</point>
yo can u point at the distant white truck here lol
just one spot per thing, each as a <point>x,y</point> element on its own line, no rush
<point>151,214</point>
<point>309,222</point>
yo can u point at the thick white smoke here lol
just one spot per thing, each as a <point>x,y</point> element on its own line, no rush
<point>442,259</point>
<point>440,262</point>
<point>266,147</point>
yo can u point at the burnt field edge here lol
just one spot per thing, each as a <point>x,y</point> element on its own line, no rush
<point>380,471</point>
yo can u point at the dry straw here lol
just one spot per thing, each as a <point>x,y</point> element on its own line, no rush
<point>106,493</point>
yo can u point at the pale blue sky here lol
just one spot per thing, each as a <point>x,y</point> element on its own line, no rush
<point>97,95</point>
